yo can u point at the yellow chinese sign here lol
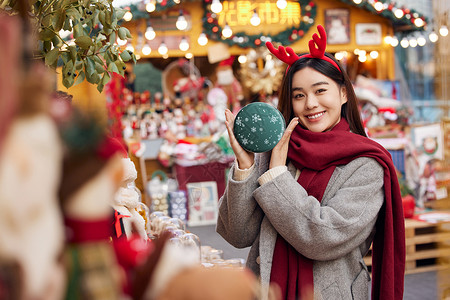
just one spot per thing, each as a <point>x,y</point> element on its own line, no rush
<point>238,13</point>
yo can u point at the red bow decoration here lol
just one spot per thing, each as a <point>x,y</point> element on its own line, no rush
<point>117,218</point>
<point>289,57</point>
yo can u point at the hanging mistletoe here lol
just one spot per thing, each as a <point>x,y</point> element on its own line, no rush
<point>286,37</point>
<point>80,35</point>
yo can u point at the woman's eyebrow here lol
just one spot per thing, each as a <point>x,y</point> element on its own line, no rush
<point>314,84</point>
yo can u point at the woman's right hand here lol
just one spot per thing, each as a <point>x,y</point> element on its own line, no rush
<point>244,158</point>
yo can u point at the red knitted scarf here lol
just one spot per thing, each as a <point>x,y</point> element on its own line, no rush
<point>317,155</point>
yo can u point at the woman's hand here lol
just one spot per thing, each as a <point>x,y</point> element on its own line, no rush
<point>244,158</point>
<point>279,152</point>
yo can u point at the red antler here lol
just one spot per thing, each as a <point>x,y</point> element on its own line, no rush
<point>288,56</point>
<point>321,43</point>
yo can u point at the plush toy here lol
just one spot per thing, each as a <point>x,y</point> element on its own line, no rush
<point>229,84</point>
<point>127,202</point>
<point>31,232</point>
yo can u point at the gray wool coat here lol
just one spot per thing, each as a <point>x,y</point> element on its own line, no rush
<point>336,233</point>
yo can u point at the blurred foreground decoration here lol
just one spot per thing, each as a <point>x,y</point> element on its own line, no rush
<point>79,35</point>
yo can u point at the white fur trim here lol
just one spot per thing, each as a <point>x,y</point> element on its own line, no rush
<point>128,197</point>
<point>129,171</point>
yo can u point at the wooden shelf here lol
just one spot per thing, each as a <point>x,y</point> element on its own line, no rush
<point>427,247</point>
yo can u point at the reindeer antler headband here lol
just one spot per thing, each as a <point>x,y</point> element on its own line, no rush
<point>289,57</point>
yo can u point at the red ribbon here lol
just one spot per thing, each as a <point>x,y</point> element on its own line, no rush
<point>117,218</point>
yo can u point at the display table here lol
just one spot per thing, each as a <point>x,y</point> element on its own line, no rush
<point>427,246</point>
<point>213,171</point>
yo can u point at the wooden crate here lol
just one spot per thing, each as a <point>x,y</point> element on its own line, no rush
<point>427,247</point>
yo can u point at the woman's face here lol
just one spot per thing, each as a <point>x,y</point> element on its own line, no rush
<point>317,100</point>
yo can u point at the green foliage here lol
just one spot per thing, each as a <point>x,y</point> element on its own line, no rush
<point>92,54</point>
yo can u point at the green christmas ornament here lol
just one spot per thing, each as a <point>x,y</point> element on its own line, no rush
<point>258,127</point>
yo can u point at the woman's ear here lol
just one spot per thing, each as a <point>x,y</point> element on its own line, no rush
<point>343,94</point>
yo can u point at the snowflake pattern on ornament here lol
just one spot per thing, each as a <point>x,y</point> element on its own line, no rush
<point>258,127</point>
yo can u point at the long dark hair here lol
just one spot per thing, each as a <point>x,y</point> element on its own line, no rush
<point>349,109</point>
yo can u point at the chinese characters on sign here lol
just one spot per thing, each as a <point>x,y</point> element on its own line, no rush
<point>238,13</point>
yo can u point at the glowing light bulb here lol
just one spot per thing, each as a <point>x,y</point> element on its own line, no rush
<point>362,58</point>
<point>374,54</point>
<point>128,16</point>
<point>421,41</point>
<point>443,31</point>
<point>150,7</point>
<point>216,6</point>
<point>150,33</point>
<point>121,42</point>
<point>281,4</point>
<point>130,47</point>
<point>404,43</point>
<point>202,39</point>
<point>378,6</point>
<point>181,23</point>
<point>242,59</point>
<point>162,49</point>
<point>394,41</point>
<point>433,37</point>
<point>357,1</point>
<point>189,55</point>
<point>398,13</point>
<point>184,45</point>
<point>388,39</point>
<point>146,50</point>
<point>339,55</point>
<point>419,22</point>
<point>227,32</point>
<point>413,43</point>
<point>255,20</point>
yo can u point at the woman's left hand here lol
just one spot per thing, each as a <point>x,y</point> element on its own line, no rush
<point>279,152</point>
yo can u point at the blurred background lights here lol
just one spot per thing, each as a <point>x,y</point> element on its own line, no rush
<point>162,49</point>
<point>433,37</point>
<point>374,54</point>
<point>202,39</point>
<point>128,16</point>
<point>146,50</point>
<point>281,4</point>
<point>227,32</point>
<point>216,6</point>
<point>242,59</point>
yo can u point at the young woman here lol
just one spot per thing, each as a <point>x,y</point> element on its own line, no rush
<point>311,207</point>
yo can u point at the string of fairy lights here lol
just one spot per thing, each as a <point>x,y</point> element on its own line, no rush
<point>213,31</point>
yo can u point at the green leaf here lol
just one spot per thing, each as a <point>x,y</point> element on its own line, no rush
<point>59,19</point>
<point>47,46</point>
<point>125,55</point>
<point>51,56</point>
<point>94,78</point>
<point>46,34</point>
<point>120,13</point>
<point>73,13</point>
<point>47,20</point>
<point>83,41</point>
<point>134,58</point>
<point>78,30</point>
<point>99,68</point>
<point>97,59</point>
<point>113,68</point>
<point>73,52</point>
<point>89,66</point>
<point>122,32</point>
<point>102,18</point>
<point>67,25</point>
<point>56,41</point>
<point>65,57</point>
<point>80,78</point>
<point>68,80</point>
<point>112,38</point>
